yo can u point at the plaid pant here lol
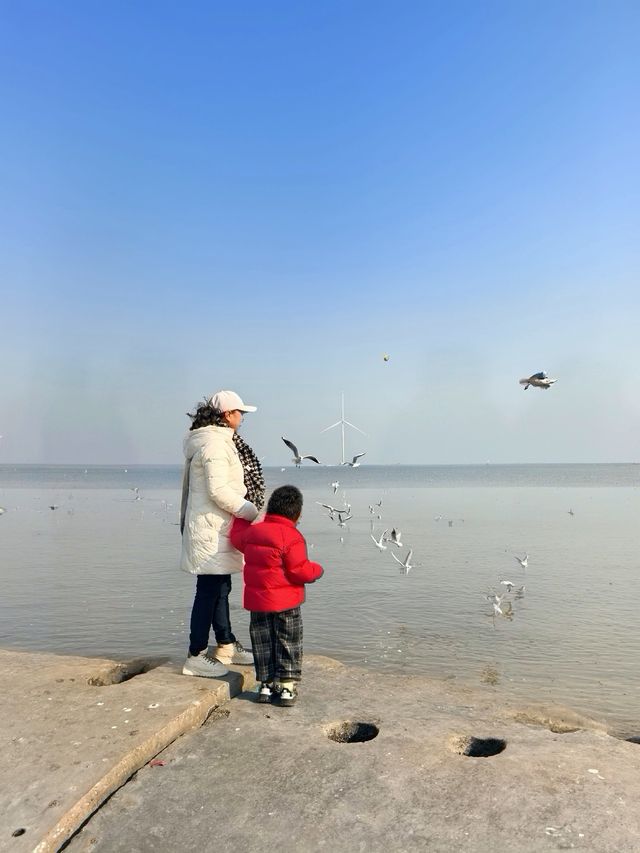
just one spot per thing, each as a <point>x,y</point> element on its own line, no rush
<point>276,640</point>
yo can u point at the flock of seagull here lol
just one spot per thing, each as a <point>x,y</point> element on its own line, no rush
<point>343,514</point>
<point>502,606</point>
<point>298,458</point>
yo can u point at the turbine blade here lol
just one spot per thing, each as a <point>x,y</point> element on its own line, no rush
<point>337,423</point>
<point>353,426</point>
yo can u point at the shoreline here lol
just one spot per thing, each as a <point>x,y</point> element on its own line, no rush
<point>616,726</point>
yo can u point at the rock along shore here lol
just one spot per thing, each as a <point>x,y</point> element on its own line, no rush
<point>363,762</point>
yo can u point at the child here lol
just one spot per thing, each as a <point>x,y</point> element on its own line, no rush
<point>276,569</point>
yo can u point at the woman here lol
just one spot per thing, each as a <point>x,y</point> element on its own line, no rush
<point>222,480</point>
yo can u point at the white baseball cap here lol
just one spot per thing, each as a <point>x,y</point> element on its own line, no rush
<point>229,401</point>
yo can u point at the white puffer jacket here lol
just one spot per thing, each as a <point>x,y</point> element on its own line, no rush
<point>216,490</point>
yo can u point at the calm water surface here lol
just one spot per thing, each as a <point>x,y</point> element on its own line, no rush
<point>98,575</point>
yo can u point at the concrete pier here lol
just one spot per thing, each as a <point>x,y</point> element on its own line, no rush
<point>363,762</point>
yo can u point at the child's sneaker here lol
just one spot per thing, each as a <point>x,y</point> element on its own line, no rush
<point>287,696</point>
<point>265,692</point>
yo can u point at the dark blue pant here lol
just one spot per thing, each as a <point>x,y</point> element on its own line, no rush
<point>210,610</point>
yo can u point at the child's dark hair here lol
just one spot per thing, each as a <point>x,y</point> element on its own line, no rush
<point>286,501</point>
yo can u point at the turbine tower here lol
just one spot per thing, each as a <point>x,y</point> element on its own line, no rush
<point>342,423</point>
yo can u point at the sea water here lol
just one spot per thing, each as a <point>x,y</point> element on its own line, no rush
<point>98,574</point>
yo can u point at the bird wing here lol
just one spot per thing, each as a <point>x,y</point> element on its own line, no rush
<point>359,456</point>
<point>312,458</point>
<point>291,446</point>
<point>396,559</point>
<point>408,557</point>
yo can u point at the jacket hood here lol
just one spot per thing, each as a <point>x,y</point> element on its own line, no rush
<point>198,438</point>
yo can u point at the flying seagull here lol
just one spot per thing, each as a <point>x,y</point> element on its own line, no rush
<point>405,564</point>
<point>379,543</point>
<point>297,458</point>
<point>496,603</point>
<point>333,511</point>
<point>335,486</point>
<point>524,562</point>
<point>538,380</point>
<point>354,462</point>
<point>395,537</point>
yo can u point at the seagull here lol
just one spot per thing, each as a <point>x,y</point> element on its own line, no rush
<point>346,512</point>
<point>2,510</point>
<point>53,506</point>
<point>538,380</point>
<point>496,602</point>
<point>395,538</point>
<point>342,522</point>
<point>571,512</point>
<point>333,511</point>
<point>137,491</point>
<point>508,584</point>
<point>297,458</point>
<point>524,562</point>
<point>406,563</point>
<point>354,462</point>
<point>520,591</point>
<point>386,357</point>
<point>335,486</point>
<point>379,543</point>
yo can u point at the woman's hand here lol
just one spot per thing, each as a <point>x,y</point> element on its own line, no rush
<point>248,511</point>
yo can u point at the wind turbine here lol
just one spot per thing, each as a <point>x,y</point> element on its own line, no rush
<point>342,423</point>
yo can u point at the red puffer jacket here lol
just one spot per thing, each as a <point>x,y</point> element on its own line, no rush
<point>276,566</point>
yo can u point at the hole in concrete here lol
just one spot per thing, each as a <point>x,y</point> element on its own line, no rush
<point>124,671</point>
<point>17,832</point>
<point>477,747</point>
<point>634,739</point>
<point>352,732</point>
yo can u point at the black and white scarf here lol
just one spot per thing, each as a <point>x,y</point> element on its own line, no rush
<point>253,477</point>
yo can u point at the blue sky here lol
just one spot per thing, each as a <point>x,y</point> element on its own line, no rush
<point>268,197</point>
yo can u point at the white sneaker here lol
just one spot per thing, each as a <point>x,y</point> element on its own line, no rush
<point>265,692</point>
<point>204,666</point>
<point>233,653</point>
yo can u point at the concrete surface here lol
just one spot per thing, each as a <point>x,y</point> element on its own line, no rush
<point>73,731</point>
<point>260,777</point>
